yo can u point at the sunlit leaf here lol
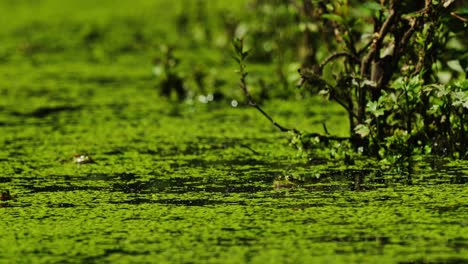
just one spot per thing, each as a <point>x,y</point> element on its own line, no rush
<point>460,99</point>
<point>333,17</point>
<point>373,108</point>
<point>362,130</point>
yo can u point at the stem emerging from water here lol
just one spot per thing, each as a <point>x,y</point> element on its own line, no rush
<point>240,57</point>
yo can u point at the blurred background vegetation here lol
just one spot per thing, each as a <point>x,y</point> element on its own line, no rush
<point>283,35</point>
<point>185,46</point>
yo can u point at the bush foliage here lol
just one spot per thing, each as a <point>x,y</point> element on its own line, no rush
<point>398,68</point>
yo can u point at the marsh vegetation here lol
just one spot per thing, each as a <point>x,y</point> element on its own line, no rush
<point>125,137</point>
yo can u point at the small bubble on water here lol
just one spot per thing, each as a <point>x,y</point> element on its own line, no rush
<point>157,70</point>
<point>202,99</point>
<point>234,103</point>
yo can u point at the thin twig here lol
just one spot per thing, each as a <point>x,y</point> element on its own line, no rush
<point>325,129</point>
<point>376,42</point>
<point>251,102</point>
<point>337,55</point>
<point>241,56</point>
<point>313,77</point>
<point>249,148</point>
<point>459,17</point>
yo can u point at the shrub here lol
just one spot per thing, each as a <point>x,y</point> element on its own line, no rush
<point>398,68</point>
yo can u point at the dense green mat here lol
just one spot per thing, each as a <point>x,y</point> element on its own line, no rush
<point>185,182</point>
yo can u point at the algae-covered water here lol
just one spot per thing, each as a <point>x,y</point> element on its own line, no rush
<point>190,181</point>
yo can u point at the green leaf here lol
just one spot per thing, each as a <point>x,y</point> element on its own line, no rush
<point>236,59</point>
<point>460,99</point>
<point>362,130</point>
<point>238,45</point>
<point>333,17</point>
<point>373,108</point>
<point>398,83</point>
<point>455,65</point>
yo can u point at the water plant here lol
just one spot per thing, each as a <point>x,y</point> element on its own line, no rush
<point>399,72</point>
<point>171,82</point>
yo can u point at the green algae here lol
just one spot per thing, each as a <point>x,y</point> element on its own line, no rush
<point>191,182</point>
<point>185,188</point>
<point>300,226</point>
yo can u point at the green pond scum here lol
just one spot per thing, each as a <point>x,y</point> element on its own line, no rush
<point>96,166</point>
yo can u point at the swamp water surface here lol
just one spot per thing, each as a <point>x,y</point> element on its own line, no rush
<point>199,183</point>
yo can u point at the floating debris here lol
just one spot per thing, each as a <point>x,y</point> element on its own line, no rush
<point>284,183</point>
<point>82,159</point>
<point>6,196</point>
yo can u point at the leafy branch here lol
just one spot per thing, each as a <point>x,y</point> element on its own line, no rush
<point>240,56</point>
